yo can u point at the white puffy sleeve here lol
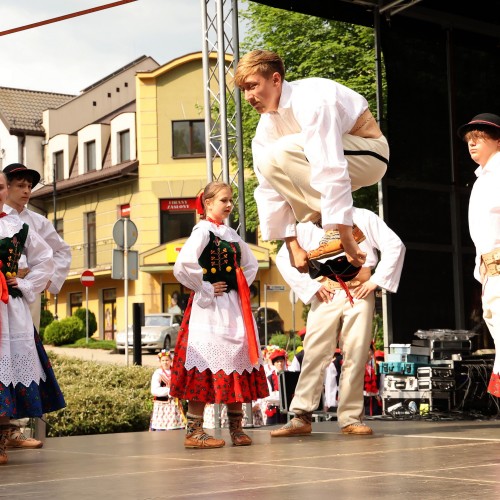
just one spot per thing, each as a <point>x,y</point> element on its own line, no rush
<point>188,271</point>
<point>41,264</point>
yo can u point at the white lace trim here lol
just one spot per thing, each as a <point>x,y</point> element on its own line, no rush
<point>20,367</point>
<point>215,357</point>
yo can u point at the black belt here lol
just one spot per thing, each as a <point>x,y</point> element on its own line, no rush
<point>366,153</point>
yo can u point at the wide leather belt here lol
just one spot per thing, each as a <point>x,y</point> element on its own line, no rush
<point>490,263</point>
<point>334,286</point>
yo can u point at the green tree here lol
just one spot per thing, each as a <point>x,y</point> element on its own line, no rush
<point>310,47</point>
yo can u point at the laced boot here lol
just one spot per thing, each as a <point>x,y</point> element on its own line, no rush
<point>16,439</point>
<point>196,437</point>
<point>4,434</point>
<point>330,244</point>
<point>300,425</point>
<point>238,437</point>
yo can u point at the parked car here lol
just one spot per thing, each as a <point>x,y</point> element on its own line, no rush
<point>159,332</point>
<point>275,323</point>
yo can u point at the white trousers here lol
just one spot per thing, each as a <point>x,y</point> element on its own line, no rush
<point>328,323</point>
<point>288,171</point>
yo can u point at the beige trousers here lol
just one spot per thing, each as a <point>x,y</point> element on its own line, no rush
<point>287,170</point>
<point>327,323</point>
<point>491,314</point>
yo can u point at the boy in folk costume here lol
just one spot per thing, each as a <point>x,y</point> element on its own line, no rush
<point>341,313</point>
<point>316,141</point>
<point>217,357</point>
<point>482,135</point>
<point>28,387</point>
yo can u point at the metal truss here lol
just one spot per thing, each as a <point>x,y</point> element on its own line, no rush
<point>223,130</point>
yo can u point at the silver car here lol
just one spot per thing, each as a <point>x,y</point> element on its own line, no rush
<point>159,332</point>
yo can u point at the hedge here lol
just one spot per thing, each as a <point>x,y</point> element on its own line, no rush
<point>100,397</point>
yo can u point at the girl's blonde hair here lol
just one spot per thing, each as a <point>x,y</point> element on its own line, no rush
<point>211,190</point>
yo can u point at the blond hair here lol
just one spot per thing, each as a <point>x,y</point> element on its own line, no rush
<point>264,62</point>
<point>211,190</point>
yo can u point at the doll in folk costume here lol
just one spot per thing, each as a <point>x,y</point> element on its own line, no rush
<point>28,387</point>
<point>167,411</point>
<point>217,357</point>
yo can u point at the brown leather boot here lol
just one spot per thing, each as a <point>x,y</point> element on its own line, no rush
<point>4,432</point>
<point>330,244</point>
<point>196,437</point>
<point>238,437</point>
<point>300,425</point>
<point>16,439</point>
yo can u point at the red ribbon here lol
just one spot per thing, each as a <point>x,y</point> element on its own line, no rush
<point>199,204</point>
<point>4,290</point>
<point>246,309</point>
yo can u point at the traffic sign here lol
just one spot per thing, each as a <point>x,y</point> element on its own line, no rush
<point>87,278</point>
<point>119,232</point>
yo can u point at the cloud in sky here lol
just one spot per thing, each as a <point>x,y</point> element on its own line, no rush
<point>70,55</point>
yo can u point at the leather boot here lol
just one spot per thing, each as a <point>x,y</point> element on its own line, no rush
<point>4,434</point>
<point>196,437</point>
<point>238,437</point>
<point>300,425</point>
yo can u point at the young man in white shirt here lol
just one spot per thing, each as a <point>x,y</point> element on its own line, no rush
<point>333,319</point>
<point>482,135</point>
<point>316,141</point>
<point>21,180</point>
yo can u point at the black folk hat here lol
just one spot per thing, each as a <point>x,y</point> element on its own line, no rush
<point>20,169</point>
<point>335,269</point>
<point>480,122</point>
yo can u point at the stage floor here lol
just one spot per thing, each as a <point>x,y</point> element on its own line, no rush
<point>403,459</point>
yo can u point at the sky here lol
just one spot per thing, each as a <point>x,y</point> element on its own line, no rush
<point>68,56</point>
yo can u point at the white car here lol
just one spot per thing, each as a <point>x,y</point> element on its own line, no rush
<point>159,332</point>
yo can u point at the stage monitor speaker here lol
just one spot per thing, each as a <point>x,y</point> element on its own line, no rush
<point>287,382</point>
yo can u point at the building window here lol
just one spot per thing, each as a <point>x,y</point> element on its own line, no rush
<point>188,138</point>
<point>123,146</point>
<point>58,160</point>
<point>90,156</point>
<point>177,218</point>
<point>75,301</point>
<point>59,227</point>
<point>90,240</point>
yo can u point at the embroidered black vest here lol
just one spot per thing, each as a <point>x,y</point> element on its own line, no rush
<point>217,261</point>
<point>10,253</point>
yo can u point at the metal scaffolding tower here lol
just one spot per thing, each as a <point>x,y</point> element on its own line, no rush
<point>223,131</point>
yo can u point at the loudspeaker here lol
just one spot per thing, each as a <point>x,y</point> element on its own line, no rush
<point>287,381</point>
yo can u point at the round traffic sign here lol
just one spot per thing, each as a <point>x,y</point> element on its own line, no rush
<point>119,232</point>
<point>87,278</point>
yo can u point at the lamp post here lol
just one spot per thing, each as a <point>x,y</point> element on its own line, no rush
<point>54,202</point>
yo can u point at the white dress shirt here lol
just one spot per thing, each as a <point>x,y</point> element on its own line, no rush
<point>60,249</point>
<point>323,111</point>
<point>484,210</point>
<point>378,237</point>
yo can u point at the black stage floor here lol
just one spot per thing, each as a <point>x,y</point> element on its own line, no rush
<point>403,459</point>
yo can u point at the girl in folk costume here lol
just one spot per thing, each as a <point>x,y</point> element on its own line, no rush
<point>217,357</point>
<point>167,411</point>
<point>28,387</point>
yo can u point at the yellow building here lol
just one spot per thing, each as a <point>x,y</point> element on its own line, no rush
<point>102,176</point>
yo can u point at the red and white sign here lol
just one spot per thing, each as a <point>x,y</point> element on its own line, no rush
<point>174,205</point>
<point>87,278</point>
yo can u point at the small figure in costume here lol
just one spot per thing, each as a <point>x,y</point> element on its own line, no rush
<point>167,411</point>
<point>28,387</point>
<point>217,357</point>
